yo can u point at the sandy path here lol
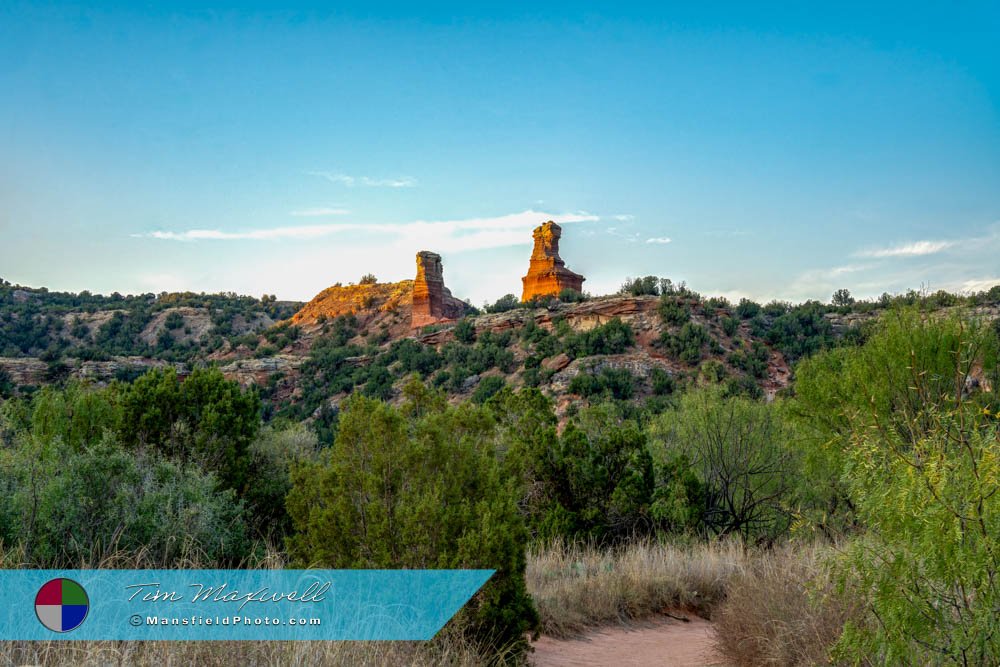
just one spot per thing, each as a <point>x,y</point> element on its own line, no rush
<point>665,642</point>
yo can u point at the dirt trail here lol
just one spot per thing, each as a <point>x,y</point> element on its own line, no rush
<point>665,643</point>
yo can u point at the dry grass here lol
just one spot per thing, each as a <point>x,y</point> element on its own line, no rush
<point>448,648</point>
<point>576,587</point>
<point>293,654</point>
<point>769,608</point>
<point>782,610</point>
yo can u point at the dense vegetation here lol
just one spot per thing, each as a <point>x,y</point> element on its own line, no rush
<point>417,486</point>
<point>37,322</point>
<point>886,445</point>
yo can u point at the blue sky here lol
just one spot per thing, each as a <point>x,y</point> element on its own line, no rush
<point>779,151</point>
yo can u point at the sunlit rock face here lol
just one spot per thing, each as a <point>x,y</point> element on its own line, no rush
<point>432,301</point>
<point>547,273</point>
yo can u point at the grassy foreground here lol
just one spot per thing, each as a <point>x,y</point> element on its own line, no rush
<point>774,607</point>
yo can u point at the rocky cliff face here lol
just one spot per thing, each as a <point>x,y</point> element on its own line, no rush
<point>432,301</point>
<point>547,273</point>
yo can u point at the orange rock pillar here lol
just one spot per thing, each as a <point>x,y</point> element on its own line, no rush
<point>432,301</point>
<point>547,273</point>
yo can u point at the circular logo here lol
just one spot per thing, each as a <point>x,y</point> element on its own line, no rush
<point>61,605</point>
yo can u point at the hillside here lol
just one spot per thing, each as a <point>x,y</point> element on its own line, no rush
<point>306,358</point>
<point>48,336</point>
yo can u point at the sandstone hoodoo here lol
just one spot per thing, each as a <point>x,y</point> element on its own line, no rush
<point>547,273</point>
<point>432,301</point>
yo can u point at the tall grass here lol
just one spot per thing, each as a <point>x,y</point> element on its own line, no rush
<point>769,607</point>
<point>450,647</point>
<point>772,607</point>
<point>452,651</point>
<point>576,587</point>
<point>783,610</point>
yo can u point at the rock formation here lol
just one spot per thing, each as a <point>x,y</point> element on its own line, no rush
<point>547,273</point>
<point>432,301</point>
<point>354,299</point>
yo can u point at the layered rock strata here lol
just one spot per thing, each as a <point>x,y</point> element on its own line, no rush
<point>547,272</point>
<point>432,301</point>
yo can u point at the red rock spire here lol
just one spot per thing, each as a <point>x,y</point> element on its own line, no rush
<point>547,273</point>
<point>432,301</point>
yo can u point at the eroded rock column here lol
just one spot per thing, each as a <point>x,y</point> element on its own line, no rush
<point>432,301</point>
<point>547,273</point>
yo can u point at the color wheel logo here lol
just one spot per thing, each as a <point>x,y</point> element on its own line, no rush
<point>61,605</point>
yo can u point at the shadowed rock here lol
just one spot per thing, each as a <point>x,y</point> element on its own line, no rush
<point>547,273</point>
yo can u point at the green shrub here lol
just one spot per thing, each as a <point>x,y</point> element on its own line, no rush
<point>610,382</point>
<point>928,562</point>
<point>713,305</point>
<point>414,357</point>
<point>417,487</point>
<point>776,308</point>
<point>663,382</point>
<point>79,329</point>
<point>913,451</point>
<point>687,344</point>
<point>7,386</point>
<point>487,387</point>
<point>738,449</point>
<point>713,371</point>
<point>673,311</point>
<point>503,304</point>
<point>465,331</point>
<point>205,419</point>
<point>743,385</point>
<point>842,298</point>
<point>747,309</point>
<point>379,383</point>
<point>646,286</point>
<point>595,482</point>
<point>273,454</point>
<point>568,295</point>
<point>64,505</point>
<point>531,377</point>
<point>753,361</point>
<point>797,331</point>
<point>614,337</point>
<point>173,320</point>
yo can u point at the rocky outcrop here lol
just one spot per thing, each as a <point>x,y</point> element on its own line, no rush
<point>34,372</point>
<point>639,364</point>
<point>432,301</point>
<point>351,299</point>
<point>248,372</point>
<point>557,362</point>
<point>547,273</point>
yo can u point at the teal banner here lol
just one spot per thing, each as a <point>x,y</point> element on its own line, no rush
<point>233,604</point>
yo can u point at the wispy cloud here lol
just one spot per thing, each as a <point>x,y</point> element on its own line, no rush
<point>820,283</point>
<point>630,237</point>
<point>623,217</point>
<point>914,249</point>
<point>273,234</point>
<point>978,284</point>
<point>365,181</point>
<point>319,212</point>
<point>662,240</point>
<point>447,235</point>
